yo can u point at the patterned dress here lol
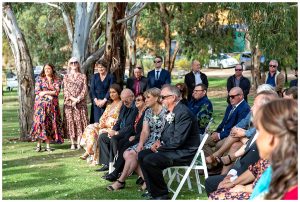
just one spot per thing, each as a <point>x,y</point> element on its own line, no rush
<point>106,122</point>
<point>156,124</point>
<point>47,122</point>
<point>224,194</point>
<point>75,118</point>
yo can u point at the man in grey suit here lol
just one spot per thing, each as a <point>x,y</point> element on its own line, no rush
<point>177,146</point>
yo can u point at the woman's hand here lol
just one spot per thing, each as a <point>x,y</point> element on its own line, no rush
<point>238,188</point>
<point>42,93</point>
<point>131,138</point>
<point>139,148</point>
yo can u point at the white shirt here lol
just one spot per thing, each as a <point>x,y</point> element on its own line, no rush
<point>157,71</point>
<point>198,79</point>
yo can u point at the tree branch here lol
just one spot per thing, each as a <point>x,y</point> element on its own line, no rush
<point>97,21</point>
<point>133,12</point>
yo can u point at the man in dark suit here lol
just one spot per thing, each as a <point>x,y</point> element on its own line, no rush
<point>238,80</point>
<point>250,155</point>
<point>108,142</point>
<point>295,81</point>
<point>235,112</point>
<point>194,78</point>
<point>158,77</point>
<point>137,83</point>
<point>177,146</point>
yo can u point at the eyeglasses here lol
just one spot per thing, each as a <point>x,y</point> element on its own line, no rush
<point>273,66</point>
<point>197,90</point>
<point>74,63</point>
<point>233,96</point>
<point>157,62</point>
<point>238,70</point>
<point>163,97</point>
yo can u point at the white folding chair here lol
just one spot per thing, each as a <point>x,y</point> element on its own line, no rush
<point>195,165</point>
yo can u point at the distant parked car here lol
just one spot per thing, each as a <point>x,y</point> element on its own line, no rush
<point>222,61</point>
<point>37,70</point>
<point>245,60</point>
<point>11,83</point>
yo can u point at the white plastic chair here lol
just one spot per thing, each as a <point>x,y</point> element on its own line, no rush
<point>195,165</point>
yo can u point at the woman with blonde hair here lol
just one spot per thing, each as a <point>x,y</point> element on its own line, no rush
<point>75,106</point>
<point>153,124</point>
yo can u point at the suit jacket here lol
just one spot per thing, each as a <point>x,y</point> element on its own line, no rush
<point>189,80</point>
<point>100,89</point>
<point>229,122</point>
<point>125,122</point>
<point>139,127</point>
<point>244,85</point>
<point>180,138</point>
<point>294,83</point>
<point>164,78</point>
<point>143,84</point>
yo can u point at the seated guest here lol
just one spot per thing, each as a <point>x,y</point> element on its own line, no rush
<point>295,81</point>
<point>277,123</point>
<point>177,145</point>
<point>291,93</point>
<point>249,153</point>
<point>137,83</point>
<point>242,187</point>
<point>130,139</point>
<point>107,121</point>
<point>183,90</point>
<point>201,106</point>
<point>237,136</point>
<point>108,140</point>
<point>152,127</point>
<point>235,112</point>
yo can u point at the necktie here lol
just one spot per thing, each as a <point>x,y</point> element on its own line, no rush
<point>231,111</point>
<point>157,75</point>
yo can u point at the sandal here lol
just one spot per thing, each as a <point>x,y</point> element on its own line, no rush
<point>212,158</point>
<point>38,149</point>
<point>84,156</point>
<point>73,147</point>
<point>222,162</point>
<point>111,188</point>
<point>48,149</point>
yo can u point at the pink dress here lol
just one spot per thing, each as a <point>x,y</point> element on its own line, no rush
<point>75,118</point>
<point>47,122</point>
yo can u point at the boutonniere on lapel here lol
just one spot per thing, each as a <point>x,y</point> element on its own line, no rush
<point>170,117</point>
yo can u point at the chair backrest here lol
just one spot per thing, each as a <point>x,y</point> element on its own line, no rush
<point>203,141</point>
<point>208,125</point>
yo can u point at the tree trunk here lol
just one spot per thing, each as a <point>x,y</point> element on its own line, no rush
<point>83,18</point>
<point>115,37</point>
<point>172,64</point>
<point>24,70</point>
<point>131,44</point>
<point>255,72</point>
<point>167,34</point>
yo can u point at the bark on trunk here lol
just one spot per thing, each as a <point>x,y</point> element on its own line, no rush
<point>255,72</point>
<point>167,34</point>
<point>172,64</point>
<point>115,36</point>
<point>24,70</point>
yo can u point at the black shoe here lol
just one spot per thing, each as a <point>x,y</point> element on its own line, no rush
<point>163,197</point>
<point>110,177</point>
<point>139,181</point>
<point>146,195</point>
<point>104,168</point>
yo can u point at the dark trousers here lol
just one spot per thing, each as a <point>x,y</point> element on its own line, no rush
<point>108,147</point>
<point>97,113</point>
<point>152,165</point>
<point>120,161</point>
<point>212,183</point>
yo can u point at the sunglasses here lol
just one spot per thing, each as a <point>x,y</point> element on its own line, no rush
<point>233,96</point>
<point>238,70</point>
<point>157,62</point>
<point>273,66</point>
<point>74,63</point>
<point>163,97</point>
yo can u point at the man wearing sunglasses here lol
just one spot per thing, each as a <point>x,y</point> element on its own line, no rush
<point>238,80</point>
<point>158,77</point>
<point>237,110</point>
<point>274,77</point>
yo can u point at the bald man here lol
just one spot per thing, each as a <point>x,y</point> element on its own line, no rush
<point>237,110</point>
<point>194,78</point>
<point>108,142</point>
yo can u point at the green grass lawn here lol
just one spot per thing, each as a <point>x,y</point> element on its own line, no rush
<point>60,174</point>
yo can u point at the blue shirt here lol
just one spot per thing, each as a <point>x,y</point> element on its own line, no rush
<point>271,80</point>
<point>262,185</point>
<point>245,123</point>
<point>203,110</point>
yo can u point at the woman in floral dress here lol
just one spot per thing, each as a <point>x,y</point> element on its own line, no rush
<point>154,121</point>
<point>75,106</point>
<point>240,191</point>
<point>47,122</point>
<point>109,118</point>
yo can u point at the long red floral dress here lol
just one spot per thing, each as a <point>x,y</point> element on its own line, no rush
<point>75,118</point>
<point>47,122</point>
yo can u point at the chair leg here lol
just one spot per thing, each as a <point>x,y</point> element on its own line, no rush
<point>181,183</point>
<point>198,181</point>
<point>189,182</point>
<point>204,164</point>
